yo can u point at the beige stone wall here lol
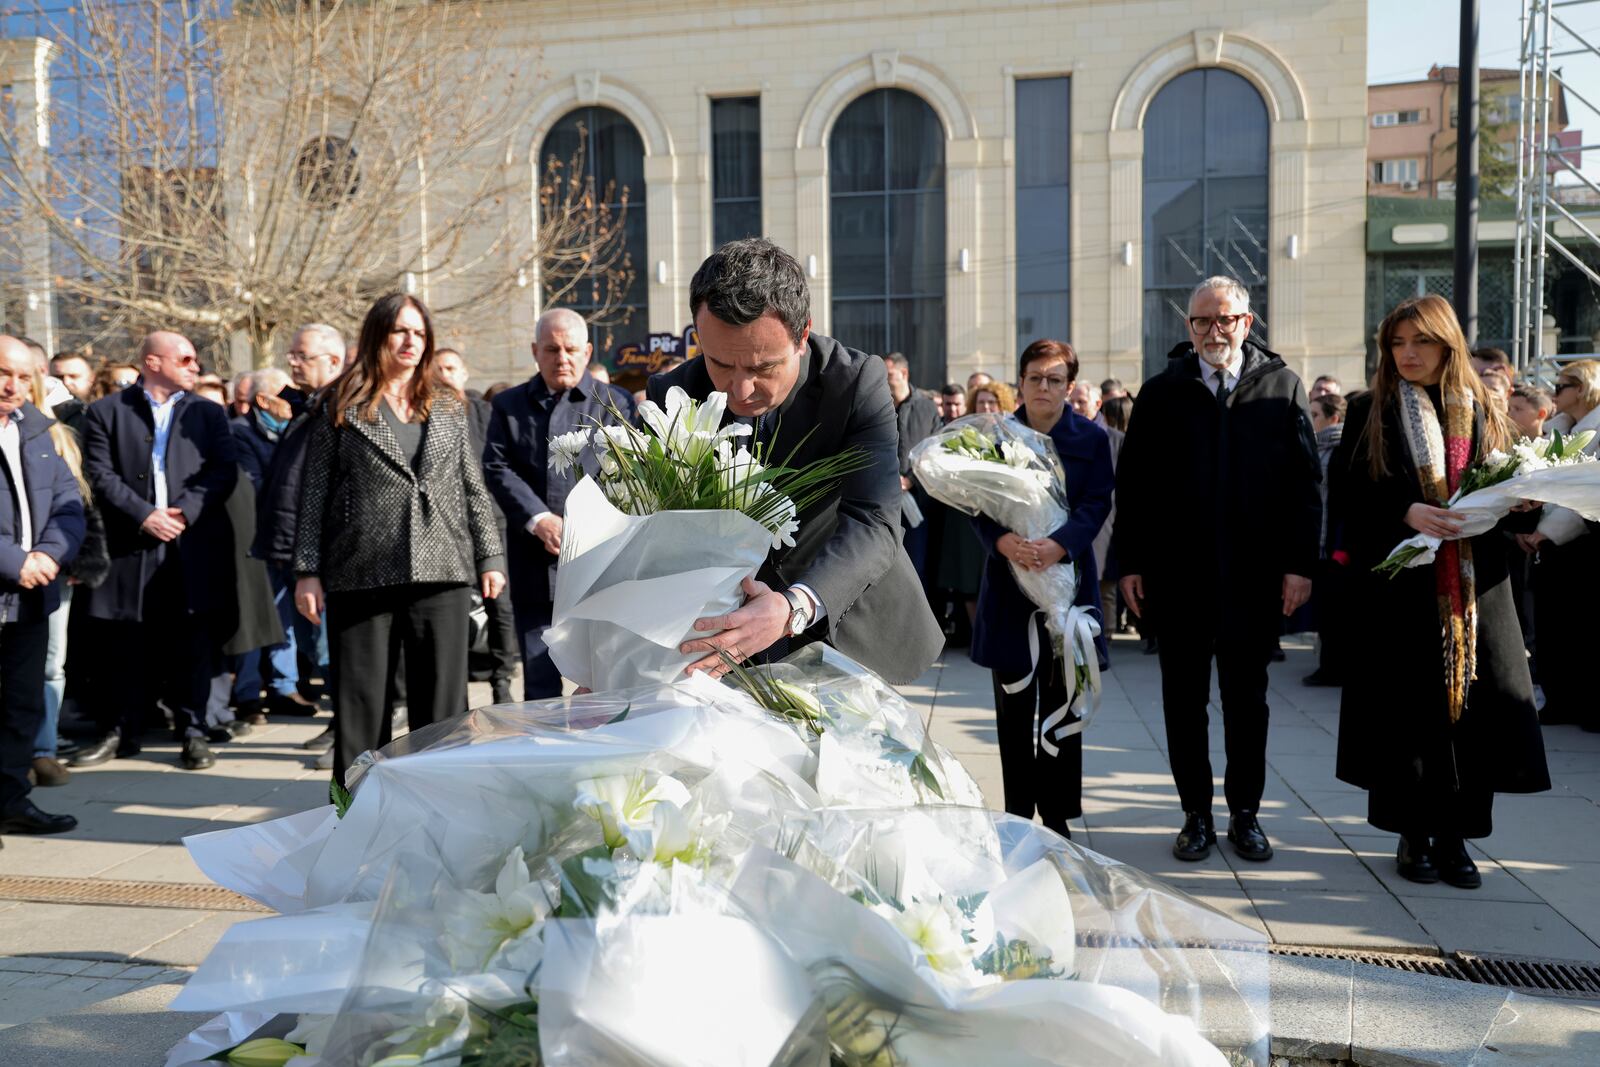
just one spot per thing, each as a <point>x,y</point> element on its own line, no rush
<point>660,63</point>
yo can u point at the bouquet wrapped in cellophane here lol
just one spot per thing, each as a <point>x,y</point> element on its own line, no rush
<point>680,875</point>
<point>1550,470</point>
<point>671,518</point>
<point>992,465</point>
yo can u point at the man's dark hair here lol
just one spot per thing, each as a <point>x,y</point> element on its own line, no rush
<point>1492,355</point>
<point>1325,378</point>
<point>952,389</point>
<point>1112,383</point>
<point>743,280</point>
<point>1331,405</point>
<point>898,359</point>
<point>1116,412</point>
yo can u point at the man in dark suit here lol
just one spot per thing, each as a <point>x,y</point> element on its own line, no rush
<point>1218,518</point>
<point>162,462</point>
<point>561,398</point>
<point>847,580</point>
<point>41,528</point>
<point>916,418</point>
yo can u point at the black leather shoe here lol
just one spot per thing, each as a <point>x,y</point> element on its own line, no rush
<point>502,693</point>
<point>1194,841</point>
<point>321,743</point>
<point>97,752</point>
<point>196,755</point>
<point>291,704</point>
<point>1415,861</point>
<point>1455,866</point>
<point>24,817</point>
<point>1249,840</point>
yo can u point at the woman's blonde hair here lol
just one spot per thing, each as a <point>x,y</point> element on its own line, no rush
<point>1586,372</point>
<point>65,441</point>
<point>1435,320</point>
<point>1002,393</point>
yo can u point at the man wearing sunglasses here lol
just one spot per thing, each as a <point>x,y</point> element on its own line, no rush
<point>1217,530</point>
<point>161,462</point>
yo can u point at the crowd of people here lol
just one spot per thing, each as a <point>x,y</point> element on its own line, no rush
<point>185,555</point>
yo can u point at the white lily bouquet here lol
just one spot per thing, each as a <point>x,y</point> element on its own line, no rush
<point>1550,470</point>
<point>993,465</point>
<point>668,876</point>
<point>672,518</point>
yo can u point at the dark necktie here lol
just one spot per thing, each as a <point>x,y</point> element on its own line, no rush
<point>1222,390</point>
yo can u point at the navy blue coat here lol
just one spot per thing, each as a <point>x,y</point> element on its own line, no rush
<point>202,468</point>
<point>55,509</point>
<point>516,467</point>
<point>255,448</point>
<point>1000,633</point>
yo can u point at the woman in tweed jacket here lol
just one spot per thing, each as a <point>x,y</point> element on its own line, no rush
<point>395,528</point>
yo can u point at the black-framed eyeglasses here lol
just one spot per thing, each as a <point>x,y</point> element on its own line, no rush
<point>1201,324</point>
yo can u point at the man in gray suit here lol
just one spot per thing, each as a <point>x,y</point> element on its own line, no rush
<point>847,580</point>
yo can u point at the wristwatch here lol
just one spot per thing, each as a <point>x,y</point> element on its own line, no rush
<point>800,612</point>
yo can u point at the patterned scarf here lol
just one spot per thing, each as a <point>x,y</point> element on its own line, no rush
<point>1441,457</point>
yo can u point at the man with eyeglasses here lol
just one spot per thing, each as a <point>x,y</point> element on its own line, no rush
<point>161,462</point>
<point>315,358</point>
<point>1218,521</point>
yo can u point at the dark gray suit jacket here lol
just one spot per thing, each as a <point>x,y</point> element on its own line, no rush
<point>848,548</point>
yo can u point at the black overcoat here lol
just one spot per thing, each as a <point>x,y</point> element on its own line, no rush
<point>516,467</point>
<point>1212,512</point>
<point>848,550</point>
<point>1393,710</point>
<point>202,466</point>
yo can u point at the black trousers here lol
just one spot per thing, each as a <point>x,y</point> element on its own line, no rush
<point>1330,603</point>
<point>504,648</point>
<point>1034,779</point>
<point>170,656</point>
<point>367,629</point>
<point>1186,690</point>
<point>22,650</point>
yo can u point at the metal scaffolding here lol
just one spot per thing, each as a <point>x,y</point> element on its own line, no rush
<point>1547,38</point>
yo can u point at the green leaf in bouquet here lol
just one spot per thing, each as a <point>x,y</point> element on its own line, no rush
<point>512,1041</point>
<point>921,772</point>
<point>584,893</point>
<point>915,763</point>
<point>340,797</point>
<point>782,698</point>
<point>619,716</point>
<point>1016,960</point>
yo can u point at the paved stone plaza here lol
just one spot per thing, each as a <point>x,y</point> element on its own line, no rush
<point>1332,882</point>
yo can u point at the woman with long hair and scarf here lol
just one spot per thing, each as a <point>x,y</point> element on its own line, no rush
<point>1440,715</point>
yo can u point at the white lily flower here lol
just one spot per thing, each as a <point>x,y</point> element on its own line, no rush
<point>935,927</point>
<point>676,833</point>
<point>311,1032</point>
<point>1577,442</point>
<point>620,803</point>
<point>478,924</point>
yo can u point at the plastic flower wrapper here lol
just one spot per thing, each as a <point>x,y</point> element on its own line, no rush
<point>1554,470</point>
<point>671,519</point>
<point>872,747</point>
<point>978,937</point>
<point>992,465</point>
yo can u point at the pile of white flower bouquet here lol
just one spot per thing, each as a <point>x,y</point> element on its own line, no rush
<point>782,869</point>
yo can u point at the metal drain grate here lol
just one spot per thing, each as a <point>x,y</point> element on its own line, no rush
<point>1527,974</point>
<point>126,894</point>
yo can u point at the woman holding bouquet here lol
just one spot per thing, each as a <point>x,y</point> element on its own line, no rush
<point>1431,741</point>
<point>1035,779</point>
<point>395,528</point>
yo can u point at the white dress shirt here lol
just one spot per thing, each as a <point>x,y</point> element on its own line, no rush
<point>162,414</point>
<point>1210,374</point>
<point>11,447</point>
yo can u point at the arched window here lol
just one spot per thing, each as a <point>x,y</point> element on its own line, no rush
<point>1205,200</point>
<point>612,157</point>
<point>886,179</point>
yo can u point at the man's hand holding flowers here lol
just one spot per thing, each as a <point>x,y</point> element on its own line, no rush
<point>746,632</point>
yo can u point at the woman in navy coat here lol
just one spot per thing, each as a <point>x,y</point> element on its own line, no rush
<point>1033,778</point>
